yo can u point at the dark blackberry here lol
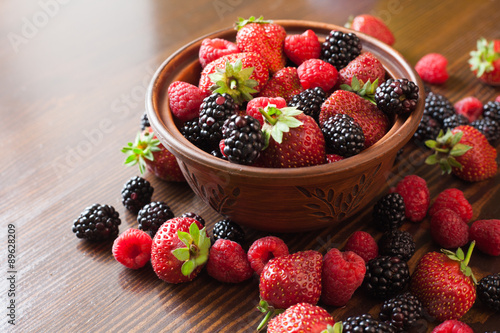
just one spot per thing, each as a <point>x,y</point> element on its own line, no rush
<point>340,48</point>
<point>214,111</point>
<point>136,193</point>
<point>492,110</point>
<point>488,291</point>
<point>454,121</point>
<point>145,121</point>
<point>309,101</point>
<point>153,215</point>
<point>397,243</point>
<point>489,127</point>
<point>227,229</point>
<point>386,276</point>
<point>402,311</point>
<point>397,96</point>
<point>191,131</point>
<point>428,129</point>
<point>389,212</point>
<point>243,139</point>
<point>365,323</point>
<point>194,216</point>
<point>97,223</point>
<point>438,107</point>
<point>343,135</point>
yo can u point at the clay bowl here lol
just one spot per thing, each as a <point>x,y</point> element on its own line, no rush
<point>281,200</point>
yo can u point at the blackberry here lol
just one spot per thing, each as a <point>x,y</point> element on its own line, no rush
<point>214,111</point>
<point>309,101</point>
<point>191,130</point>
<point>389,212</point>
<point>227,229</point>
<point>145,121</point>
<point>243,139</point>
<point>397,96</point>
<point>97,223</point>
<point>194,216</point>
<point>397,243</point>
<point>454,121</point>
<point>340,48</point>
<point>136,193</point>
<point>428,129</point>
<point>492,110</point>
<point>489,127</point>
<point>488,291</point>
<point>365,323</point>
<point>343,135</point>
<point>386,276</point>
<point>438,107</point>
<point>402,311</point>
<point>153,215</point>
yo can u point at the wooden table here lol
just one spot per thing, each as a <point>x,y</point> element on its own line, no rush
<point>73,76</point>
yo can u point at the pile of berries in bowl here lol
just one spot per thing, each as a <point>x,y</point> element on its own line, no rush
<point>288,125</point>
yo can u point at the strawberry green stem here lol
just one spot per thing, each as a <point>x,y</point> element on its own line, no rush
<point>469,253</point>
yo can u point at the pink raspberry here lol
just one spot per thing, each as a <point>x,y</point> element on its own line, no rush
<point>452,326</point>
<point>343,273</point>
<point>330,158</point>
<point>213,49</point>
<point>432,68</point>
<point>185,100</point>
<point>470,106</point>
<point>132,248</point>
<point>497,99</point>
<point>448,229</point>
<point>317,73</point>
<point>416,196</point>
<point>363,244</point>
<point>486,233</point>
<point>263,250</point>
<point>257,103</point>
<point>454,199</point>
<point>227,262</point>
<point>299,48</point>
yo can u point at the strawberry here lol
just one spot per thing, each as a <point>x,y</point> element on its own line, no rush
<point>132,248</point>
<point>180,250</point>
<point>213,49</point>
<point>373,26</point>
<point>151,155</point>
<point>485,61</point>
<point>240,75</point>
<point>373,121</point>
<point>365,67</point>
<point>299,48</point>
<point>444,283</point>
<point>262,37</point>
<point>302,317</point>
<point>285,83</point>
<point>257,103</point>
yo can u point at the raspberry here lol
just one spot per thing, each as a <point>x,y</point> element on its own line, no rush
<point>416,195</point>
<point>454,199</point>
<point>497,99</point>
<point>363,244</point>
<point>132,249</point>
<point>432,68</point>
<point>213,49</point>
<point>257,103</point>
<point>184,100</point>
<point>330,158</point>
<point>452,326</point>
<point>343,273</point>
<point>263,250</point>
<point>486,233</point>
<point>227,262</point>
<point>470,106</point>
<point>317,73</point>
<point>448,229</point>
<point>299,48</point>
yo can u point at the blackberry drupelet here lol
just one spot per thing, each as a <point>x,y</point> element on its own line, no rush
<point>191,130</point>
<point>365,323</point>
<point>195,216</point>
<point>438,107</point>
<point>243,139</point>
<point>402,311</point>
<point>491,110</point>
<point>309,101</point>
<point>153,215</point>
<point>145,121</point>
<point>97,223</point>
<point>489,127</point>
<point>214,111</point>
<point>454,121</point>
<point>386,276</point>
<point>428,129</point>
<point>397,243</point>
<point>389,212</point>
<point>397,96</point>
<point>488,291</point>
<point>340,48</point>
<point>227,229</point>
<point>343,135</point>
<point>136,193</point>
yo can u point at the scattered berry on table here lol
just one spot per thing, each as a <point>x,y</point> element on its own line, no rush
<point>386,276</point>
<point>402,311</point>
<point>454,121</point>
<point>144,121</point>
<point>365,67</point>
<point>343,135</point>
<point>243,139</point>
<point>284,83</point>
<point>309,101</point>
<point>491,110</point>
<point>397,96</point>
<point>485,61</point>
<point>470,107</point>
<point>448,229</point>
<point>489,127</point>
<point>132,248</point>
<point>397,243</point>
<point>363,244</point>
<point>454,199</point>
<point>366,323</point>
<point>302,317</point>
<point>227,262</point>
<point>195,216</point>
<point>389,212</point>
<point>488,291</point>
<point>227,229</point>
<point>427,129</point>
<point>184,100</point>
<point>136,193</point>
<point>317,73</point>
<point>438,107</point>
<point>452,325</point>
<point>153,215</point>
<point>373,26</point>
<point>340,48</point>
<point>299,48</point>
<point>213,48</point>
<point>416,197</point>
<point>97,223</point>
<point>257,103</point>
<point>432,68</point>
<point>486,233</point>
<point>264,249</point>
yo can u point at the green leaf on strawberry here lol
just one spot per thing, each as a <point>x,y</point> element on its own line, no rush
<point>279,121</point>
<point>482,59</point>
<point>446,147</point>
<point>367,90</point>
<point>242,22</point>
<point>196,251</point>
<point>141,149</point>
<point>463,259</point>
<point>234,80</point>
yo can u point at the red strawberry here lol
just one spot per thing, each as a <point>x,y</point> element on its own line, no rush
<point>444,283</point>
<point>343,273</point>
<point>317,73</point>
<point>285,83</point>
<point>454,199</point>
<point>486,233</point>
<point>180,250</point>
<point>213,49</point>
<point>373,121</point>
<point>432,68</point>
<point>150,154</point>
<point>485,61</point>
<point>469,106</point>
<point>262,37</point>
<point>448,229</point>
<point>366,67</point>
<point>299,48</point>
<point>132,248</point>
<point>452,326</point>
<point>257,103</point>
<point>416,195</point>
<point>363,244</point>
<point>302,317</point>
<point>373,26</point>
<point>263,250</point>
<point>184,100</point>
<point>227,262</point>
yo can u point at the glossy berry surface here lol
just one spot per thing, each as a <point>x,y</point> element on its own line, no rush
<point>97,223</point>
<point>153,215</point>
